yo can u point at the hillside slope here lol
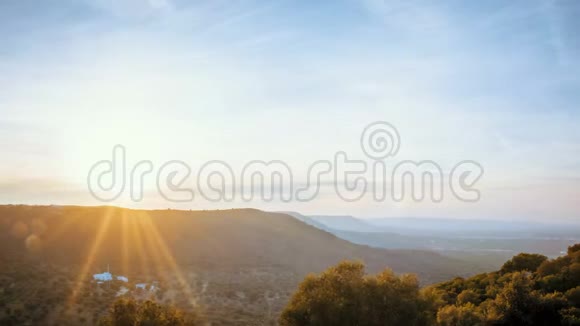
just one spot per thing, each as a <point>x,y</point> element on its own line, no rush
<point>225,238</point>
<point>240,266</point>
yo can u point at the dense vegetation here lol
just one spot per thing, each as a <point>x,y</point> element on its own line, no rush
<point>529,289</point>
<point>343,295</point>
<point>240,267</point>
<point>235,238</point>
<point>128,312</point>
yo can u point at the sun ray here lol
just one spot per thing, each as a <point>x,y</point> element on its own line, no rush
<point>90,259</point>
<point>169,259</point>
<point>153,254</point>
<point>159,262</point>
<point>137,232</point>
<point>125,243</point>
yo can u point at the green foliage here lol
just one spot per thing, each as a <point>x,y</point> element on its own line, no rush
<point>466,315</point>
<point>468,296</point>
<point>528,290</point>
<point>523,262</point>
<point>516,303</point>
<point>126,312</point>
<point>573,249</point>
<point>573,296</point>
<point>571,316</point>
<point>343,295</point>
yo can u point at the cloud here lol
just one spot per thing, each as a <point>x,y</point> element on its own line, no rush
<point>132,8</point>
<point>240,82</point>
<point>410,16</point>
<point>160,4</point>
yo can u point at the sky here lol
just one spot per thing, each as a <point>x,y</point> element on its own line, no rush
<point>495,82</point>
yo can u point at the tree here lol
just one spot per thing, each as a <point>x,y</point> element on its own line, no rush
<point>392,300</point>
<point>519,304</point>
<point>571,316</point>
<point>467,296</point>
<point>331,298</point>
<point>128,312</point>
<point>523,262</point>
<point>515,302</point>
<point>343,295</point>
<point>529,290</point>
<point>574,248</point>
<point>465,315</point>
<point>573,296</point>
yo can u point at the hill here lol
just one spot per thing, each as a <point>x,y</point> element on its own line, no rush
<point>225,238</point>
<point>529,289</point>
<point>345,223</point>
<point>486,244</point>
<point>241,262</point>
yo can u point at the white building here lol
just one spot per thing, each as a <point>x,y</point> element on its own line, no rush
<point>104,277</point>
<point>107,276</point>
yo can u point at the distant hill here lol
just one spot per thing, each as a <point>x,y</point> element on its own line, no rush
<point>308,220</point>
<point>476,227</point>
<point>486,244</point>
<point>225,239</point>
<point>345,223</point>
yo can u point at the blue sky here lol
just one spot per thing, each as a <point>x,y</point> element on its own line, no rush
<point>492,81</point>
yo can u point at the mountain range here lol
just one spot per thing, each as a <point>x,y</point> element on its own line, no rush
<point>224,238</point>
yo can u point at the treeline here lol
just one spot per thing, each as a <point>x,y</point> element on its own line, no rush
<point>129,312</point>
<point>529,289</point>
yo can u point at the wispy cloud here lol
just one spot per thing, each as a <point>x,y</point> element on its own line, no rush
<point>246,80</point>
<point>132,8</point>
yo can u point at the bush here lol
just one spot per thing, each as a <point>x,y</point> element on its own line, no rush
<point>467,296</point>
<point>523,262</point>
<point>126,312</point>
<point>574,248</point>
<point>466,315</point>
<point>343,295</point>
